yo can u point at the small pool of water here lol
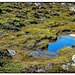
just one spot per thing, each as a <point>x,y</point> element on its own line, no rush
<point>62,40</point>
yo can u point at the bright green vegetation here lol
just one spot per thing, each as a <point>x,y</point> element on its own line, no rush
<point>27,28</point>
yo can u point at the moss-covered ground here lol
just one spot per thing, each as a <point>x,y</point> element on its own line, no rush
<point>31,27</point>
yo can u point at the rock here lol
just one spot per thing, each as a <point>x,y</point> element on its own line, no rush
<point>12,52</point>
<point>37,3</point>
<point>63,4</point>
<point>73,58</point>
<point>65,67</point>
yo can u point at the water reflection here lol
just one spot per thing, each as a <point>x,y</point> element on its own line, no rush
<point>62,40</point>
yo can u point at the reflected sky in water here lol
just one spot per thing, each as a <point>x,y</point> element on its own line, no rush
<point>62,40</point>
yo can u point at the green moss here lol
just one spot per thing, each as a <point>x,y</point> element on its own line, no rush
<point>26,33</point>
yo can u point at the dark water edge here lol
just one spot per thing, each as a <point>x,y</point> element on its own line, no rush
<point>62,40</point>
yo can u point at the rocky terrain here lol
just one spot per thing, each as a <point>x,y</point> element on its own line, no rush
<point>31,26</point>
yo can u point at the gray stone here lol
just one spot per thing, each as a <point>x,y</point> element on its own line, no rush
<point>12,52</point>
<point>37,3</point>
<point>65,67</point>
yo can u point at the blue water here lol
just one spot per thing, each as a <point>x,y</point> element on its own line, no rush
<point>62,40</point>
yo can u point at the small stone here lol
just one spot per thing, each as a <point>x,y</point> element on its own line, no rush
<point>12,52</point>
<point>65,67</point>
